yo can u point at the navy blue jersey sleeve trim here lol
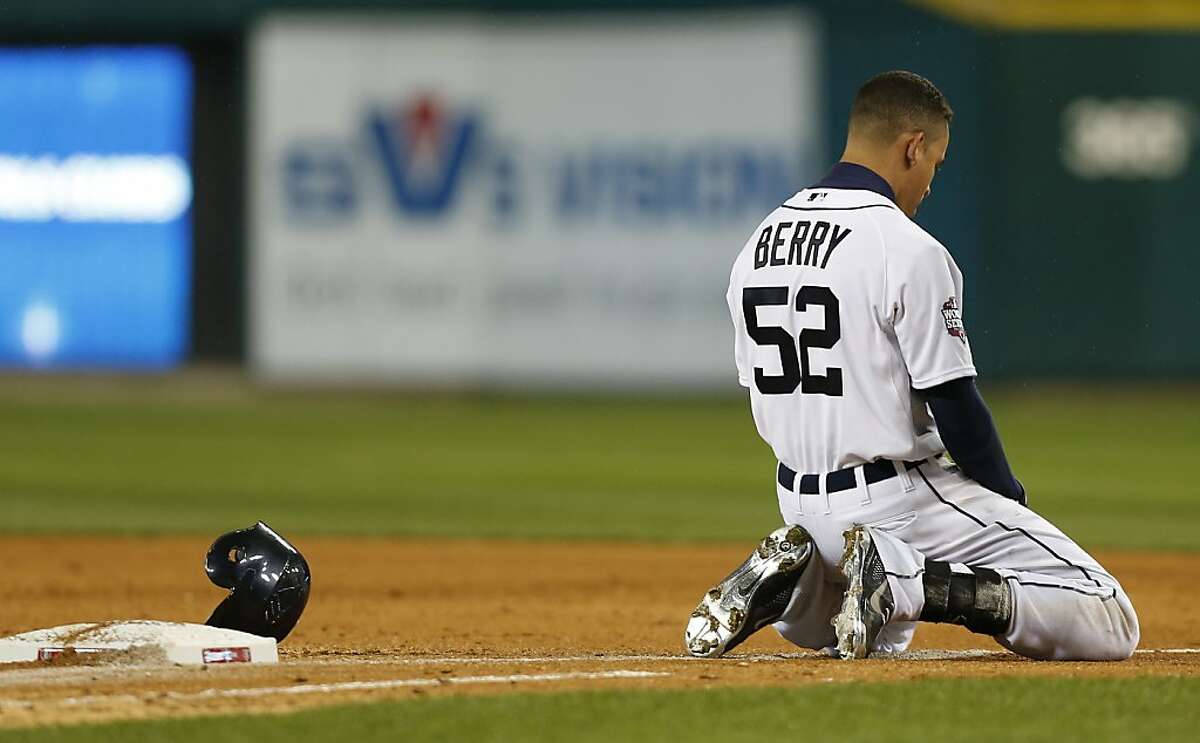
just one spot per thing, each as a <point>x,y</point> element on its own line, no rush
<point>970,435</point>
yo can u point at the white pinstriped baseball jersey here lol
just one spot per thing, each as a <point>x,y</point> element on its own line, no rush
<point>842,306</point>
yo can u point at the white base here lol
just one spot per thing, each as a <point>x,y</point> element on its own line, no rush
<point>138,641</point>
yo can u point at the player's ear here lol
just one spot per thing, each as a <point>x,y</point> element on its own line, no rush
<point>912,150</point>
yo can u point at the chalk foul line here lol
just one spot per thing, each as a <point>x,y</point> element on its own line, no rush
<point>518,678</point>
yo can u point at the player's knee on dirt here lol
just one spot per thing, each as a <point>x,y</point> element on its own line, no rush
<point>1125,633</point>
<point>1051,624</point>
<point>1110,634</point>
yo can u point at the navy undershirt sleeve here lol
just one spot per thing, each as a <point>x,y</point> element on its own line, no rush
<point>970,435</point>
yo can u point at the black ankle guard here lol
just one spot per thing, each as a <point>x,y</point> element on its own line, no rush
<point>979,601</point>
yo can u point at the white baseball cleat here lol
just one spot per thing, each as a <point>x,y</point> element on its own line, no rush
<point>752,596</point>
<point>868,603</point>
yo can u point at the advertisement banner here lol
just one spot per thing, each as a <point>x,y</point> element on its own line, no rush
<point>95,199</point>
<point>514,201</point>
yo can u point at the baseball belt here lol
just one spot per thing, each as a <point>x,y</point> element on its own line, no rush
<point>839,480</point>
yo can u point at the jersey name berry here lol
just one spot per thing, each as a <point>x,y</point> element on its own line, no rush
<point>804,244</point>
<point>842,308</point>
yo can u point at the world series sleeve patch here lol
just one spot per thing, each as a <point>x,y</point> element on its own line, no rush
<point>952,316</point>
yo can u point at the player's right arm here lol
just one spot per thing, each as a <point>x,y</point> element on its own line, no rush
<point>733,299</point>
<point>740,352</point>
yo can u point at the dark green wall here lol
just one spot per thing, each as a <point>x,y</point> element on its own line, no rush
<point>1096,277</point>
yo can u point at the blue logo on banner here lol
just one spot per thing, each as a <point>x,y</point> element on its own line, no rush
<point>423,151</point>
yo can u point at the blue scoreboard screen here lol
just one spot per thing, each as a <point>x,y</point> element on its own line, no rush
<point>95,197</point>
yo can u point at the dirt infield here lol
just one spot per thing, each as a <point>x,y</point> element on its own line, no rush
<point>394,619</point>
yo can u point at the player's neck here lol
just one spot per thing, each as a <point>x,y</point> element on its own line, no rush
<point>874,162</point>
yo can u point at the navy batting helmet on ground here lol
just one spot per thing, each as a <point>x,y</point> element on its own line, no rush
<point>269,577</point>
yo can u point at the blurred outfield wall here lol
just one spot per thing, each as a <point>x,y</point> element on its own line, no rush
<point>1066,198</point>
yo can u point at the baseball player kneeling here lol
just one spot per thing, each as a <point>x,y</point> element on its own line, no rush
<point>849,334</point>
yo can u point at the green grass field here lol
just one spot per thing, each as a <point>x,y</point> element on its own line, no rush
<point>1115,467</point>
<point>1030,709</point>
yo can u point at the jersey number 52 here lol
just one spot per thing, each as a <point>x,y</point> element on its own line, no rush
<point>794,365</point>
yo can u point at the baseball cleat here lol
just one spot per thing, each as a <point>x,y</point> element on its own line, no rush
<point>868,604</point>
<point>752,596</point>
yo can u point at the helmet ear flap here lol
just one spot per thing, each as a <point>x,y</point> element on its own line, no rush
<point>221,568</point>
<point>269,577</point>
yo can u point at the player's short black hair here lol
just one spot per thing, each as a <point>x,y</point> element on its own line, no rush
<point>898,101</point>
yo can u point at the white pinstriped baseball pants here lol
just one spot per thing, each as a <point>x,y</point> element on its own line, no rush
<point>1065,605</point>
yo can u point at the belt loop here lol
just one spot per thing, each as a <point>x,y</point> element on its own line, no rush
<point>823,491</point>
<point>902,472</point>
<point>798,496</point>
<point>860,483</point>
